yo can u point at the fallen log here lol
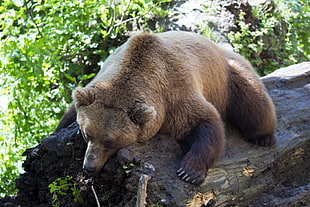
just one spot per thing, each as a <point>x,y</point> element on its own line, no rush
<point>246,175</point>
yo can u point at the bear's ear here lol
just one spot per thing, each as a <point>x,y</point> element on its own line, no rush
<point>141,113</point>
<point>83,96</point>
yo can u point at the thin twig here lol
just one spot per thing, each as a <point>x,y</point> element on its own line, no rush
<point>93,190</point>
<point>96,197</point>
<point>123,15</point>
<point>113,18</point>
<point>127,20</point>
<point>32,17</point>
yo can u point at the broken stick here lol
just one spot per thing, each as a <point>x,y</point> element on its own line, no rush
<point>141,197</point>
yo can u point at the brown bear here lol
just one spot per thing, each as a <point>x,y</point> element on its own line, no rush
<point>177,83</point>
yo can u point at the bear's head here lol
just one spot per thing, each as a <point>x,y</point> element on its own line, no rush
<point>107,127</point>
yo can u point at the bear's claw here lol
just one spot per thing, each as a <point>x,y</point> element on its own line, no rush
<point>189,176</point>
<point>181,173</point>
<point>179,170</point>
<point>185,177</point>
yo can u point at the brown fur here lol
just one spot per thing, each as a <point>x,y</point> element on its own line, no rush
<point>177,83</point>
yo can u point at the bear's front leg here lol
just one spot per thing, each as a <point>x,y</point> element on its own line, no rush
<point>203,146</point>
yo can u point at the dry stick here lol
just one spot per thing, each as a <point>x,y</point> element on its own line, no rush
<point>96,197</point>
<point>141,197</point>
<point>93,190</point>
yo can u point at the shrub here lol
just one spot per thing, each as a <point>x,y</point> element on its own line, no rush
<point>278,39</point>
<point>64,186</point>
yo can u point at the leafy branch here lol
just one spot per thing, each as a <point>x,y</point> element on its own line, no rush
<point>30,11</point>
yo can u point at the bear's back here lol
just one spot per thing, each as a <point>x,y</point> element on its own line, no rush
<point>203,64</point>
<point>187,63</point>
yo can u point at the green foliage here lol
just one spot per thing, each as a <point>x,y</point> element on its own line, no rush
<point>127,168</point>
<point>209,33</point>
<point>155,205</point>
<point>47,48</point>
<point>105,195</point>
<point>63,187</point>
<point>298,12</point>
<point>279,39</point>
<point>9,167</point>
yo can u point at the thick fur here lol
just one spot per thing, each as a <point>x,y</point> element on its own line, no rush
<point>177,83</point>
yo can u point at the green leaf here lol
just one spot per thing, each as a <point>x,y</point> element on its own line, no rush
<point>69,77</point>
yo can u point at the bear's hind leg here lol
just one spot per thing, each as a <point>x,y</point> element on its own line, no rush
<point>250,108</point>
<point>203,146</point>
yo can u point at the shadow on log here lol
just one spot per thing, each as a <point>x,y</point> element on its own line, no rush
<point>247,175</point>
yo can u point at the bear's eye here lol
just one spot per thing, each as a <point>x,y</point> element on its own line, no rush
<point>108,144</point>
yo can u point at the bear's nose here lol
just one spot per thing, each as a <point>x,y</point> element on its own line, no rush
<point>89,169</point>
<point>89,164</point>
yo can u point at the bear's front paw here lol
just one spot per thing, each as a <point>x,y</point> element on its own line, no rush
<point>191,172</point>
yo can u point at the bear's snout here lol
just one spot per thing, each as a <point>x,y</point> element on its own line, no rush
<point>95,157</point>
<point>89,164</point>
